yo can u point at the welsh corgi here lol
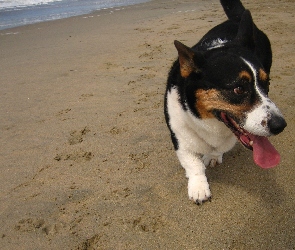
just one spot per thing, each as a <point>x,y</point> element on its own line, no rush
<point>217,93</point>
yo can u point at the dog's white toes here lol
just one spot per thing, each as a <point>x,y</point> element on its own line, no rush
<point>198,189</point>
<point>219,159</point>
<point>213,163</point>
<point>206,159</point>
<point>212,160</point>
<point>199,203</point>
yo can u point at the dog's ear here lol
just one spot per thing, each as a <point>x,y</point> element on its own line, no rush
<point>246,32</point>
<point>188,59</point>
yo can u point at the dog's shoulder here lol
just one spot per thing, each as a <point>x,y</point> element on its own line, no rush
<point>198,134</point>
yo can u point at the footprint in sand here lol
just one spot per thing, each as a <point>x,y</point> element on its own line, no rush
<point>77,136</point>
<point>62,113</point>
<point>77,156</point>
<point>35,224</point>
<point>85,97</point>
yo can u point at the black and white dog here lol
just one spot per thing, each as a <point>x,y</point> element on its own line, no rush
<point>217,91</point>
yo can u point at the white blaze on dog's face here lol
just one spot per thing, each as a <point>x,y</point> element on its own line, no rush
<point>265,118</point>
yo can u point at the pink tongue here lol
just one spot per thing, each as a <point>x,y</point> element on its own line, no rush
<point>264,154</point>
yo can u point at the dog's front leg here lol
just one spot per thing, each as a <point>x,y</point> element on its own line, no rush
<point>198,187</point>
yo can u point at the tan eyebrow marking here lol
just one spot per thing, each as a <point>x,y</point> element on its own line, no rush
<point>262,75</point>
<point>245,75</point>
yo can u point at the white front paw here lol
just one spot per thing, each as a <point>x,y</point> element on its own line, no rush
<point>198,189</point>
<point>212,159</point>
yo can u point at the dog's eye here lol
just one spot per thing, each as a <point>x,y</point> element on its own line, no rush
<point>239,90</point>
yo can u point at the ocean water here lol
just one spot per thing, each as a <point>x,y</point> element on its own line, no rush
<point>15,13</point>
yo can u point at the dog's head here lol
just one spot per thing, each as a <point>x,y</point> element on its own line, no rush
<point>231,84</point>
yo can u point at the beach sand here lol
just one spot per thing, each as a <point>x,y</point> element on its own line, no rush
<point>86,157</point>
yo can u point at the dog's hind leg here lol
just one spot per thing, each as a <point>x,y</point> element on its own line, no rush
<point>212,159</point>
<point>215,157</point>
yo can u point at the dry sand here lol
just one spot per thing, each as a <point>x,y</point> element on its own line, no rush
<point>86,158</point>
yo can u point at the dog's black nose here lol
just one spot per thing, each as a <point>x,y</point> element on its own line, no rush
<point>276,124</point>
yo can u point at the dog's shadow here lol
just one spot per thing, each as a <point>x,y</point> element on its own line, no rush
<point>238,169</point>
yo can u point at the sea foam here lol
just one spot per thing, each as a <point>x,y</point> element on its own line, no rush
<point>15,13</point>
<point>4,4</point>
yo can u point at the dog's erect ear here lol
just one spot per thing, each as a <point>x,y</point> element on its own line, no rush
<point>246,35</point>
<point>188,59</point>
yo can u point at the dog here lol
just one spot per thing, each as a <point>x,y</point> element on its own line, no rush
<point>217,93</point>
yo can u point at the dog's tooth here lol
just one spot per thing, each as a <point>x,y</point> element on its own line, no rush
<point>251,143</point>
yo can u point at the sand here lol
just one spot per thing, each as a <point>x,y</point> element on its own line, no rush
<point>86,157</point>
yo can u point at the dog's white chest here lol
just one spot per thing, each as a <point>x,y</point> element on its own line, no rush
<point>204,135</point>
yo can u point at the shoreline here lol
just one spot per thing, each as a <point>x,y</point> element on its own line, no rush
<point>87,160</point>
<point>58,16</point>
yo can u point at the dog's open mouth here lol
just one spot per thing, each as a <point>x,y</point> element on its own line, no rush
<point>264,153</point>
<point>241,134</point>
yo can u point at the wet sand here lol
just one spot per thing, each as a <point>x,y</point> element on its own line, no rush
<point>86,158</point>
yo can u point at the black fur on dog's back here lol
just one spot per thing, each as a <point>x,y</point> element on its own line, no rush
<point>229,29</point>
